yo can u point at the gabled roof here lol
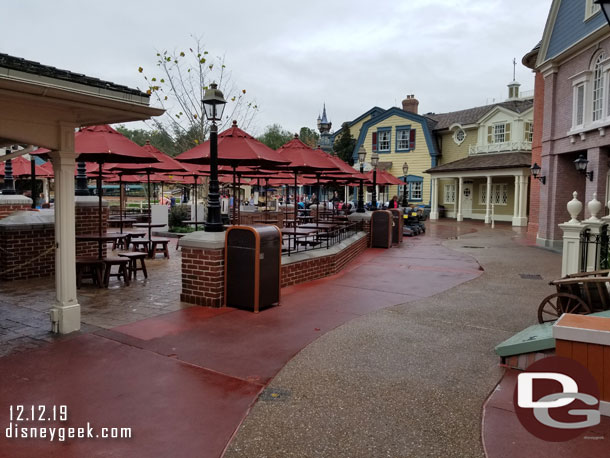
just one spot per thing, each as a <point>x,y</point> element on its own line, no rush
<point>36,68</point>
<point>375,111</point>
<point>485,162</point>
<point>473,115</point>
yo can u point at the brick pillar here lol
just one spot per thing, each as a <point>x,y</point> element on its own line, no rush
<point>12,203</point>
<point>535,185</point>
<point>87,217</point>
<point>203,255</point>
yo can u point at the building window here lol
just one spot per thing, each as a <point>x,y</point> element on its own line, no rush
<point>402,139</point>
<point>591,9</point>
<point>528,132</point>
<point>499,194</point>
<point>383,138</point>
<point>415,190</point>
<point>598,88</point>
<point>579,105</point>
<point>449,195</point>
<point>459,136</point>
<point>498,133</point>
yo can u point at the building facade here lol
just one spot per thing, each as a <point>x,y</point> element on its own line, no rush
<point>485,161</point>
<point>574,64</point>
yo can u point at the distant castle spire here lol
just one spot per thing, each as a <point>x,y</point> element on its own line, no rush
<point>324,126</point>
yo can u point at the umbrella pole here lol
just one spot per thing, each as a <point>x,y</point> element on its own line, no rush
<point>266,199</point>
<point>239,198</point>
<point>149,213</point>
<point>99,204</point>
<point>295,212</point>
<point>318,204</point>
<point>33,175</point>
<point>121,202</point>
<point>234,198</point>
<point>195,198</point>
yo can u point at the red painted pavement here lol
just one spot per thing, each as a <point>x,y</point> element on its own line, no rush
<point>186,380</point>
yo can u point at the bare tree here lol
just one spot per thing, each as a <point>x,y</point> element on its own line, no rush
<point>178,85</point>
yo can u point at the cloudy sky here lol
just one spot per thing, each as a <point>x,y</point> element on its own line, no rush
<point>294,56</point>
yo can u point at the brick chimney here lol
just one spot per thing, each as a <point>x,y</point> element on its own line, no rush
<point>410,104</point>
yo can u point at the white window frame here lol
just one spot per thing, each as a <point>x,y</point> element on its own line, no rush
<point>584,88</point>
<point>416,190</point>
<point>400,146</point>
<point>597,87</point>
<point>449,194</point>
<point>528,131</point>
<point>381,141</point>
<point>591,9</point>
<point>499,194</point>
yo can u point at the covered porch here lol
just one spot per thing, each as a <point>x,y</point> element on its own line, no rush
<point>485,187</point>
<point>42,106</point>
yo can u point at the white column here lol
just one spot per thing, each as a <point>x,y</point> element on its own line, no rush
<point>521,220</point>
<point>45,190</point>
<point>65,314</point>
<point>434,199</point>
<point>570,260</point>
<point>488,202</point>
<point>460,192</point>
<point>516,202</point>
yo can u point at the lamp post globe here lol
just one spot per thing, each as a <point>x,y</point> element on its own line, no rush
<point>213,105</point>
<point>361,159</point>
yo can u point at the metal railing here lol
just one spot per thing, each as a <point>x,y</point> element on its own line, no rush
<point>597,246</point>
<point>502,147</point>
<point>322,239</point>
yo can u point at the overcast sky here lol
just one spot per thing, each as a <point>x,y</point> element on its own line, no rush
<point>294,56</point>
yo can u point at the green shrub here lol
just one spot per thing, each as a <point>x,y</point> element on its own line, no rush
<point>177,214</point>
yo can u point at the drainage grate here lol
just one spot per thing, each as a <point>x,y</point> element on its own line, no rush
<point>531,276</point>
<point>274,394</point>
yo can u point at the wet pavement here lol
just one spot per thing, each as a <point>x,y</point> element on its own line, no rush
<point>393,357</point>
<point>185,380</point>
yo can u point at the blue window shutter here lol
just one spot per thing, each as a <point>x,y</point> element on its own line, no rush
<point>374,141</point>
<point>412,139</point>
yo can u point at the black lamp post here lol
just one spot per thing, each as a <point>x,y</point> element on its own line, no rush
<point>374,162</point>
<point>213,104</point>
<point>581,166</point>
<point>81,188</point>
<point>536,173</point>
<point>405,171</point>
<point>605,5</point>
<point>361,159</point>
<point>9,182</point>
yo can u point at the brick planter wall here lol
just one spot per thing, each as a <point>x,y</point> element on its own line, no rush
<point>86,214</point>
<point>203,276</point>
<point>27,252</point>
<point>6,210</point>
<point>203,269</point>
<point>325,266</point>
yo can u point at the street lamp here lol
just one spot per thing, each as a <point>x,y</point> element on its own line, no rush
<point>536,173</point>
<point>581,166</point>
<point>213,104</point>
<point>374,162</point>
<point>9,182</point>
<point>405,171</point>
<point>605,6</point>
<point>361,159</point>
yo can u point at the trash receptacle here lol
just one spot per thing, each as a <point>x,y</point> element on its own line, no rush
<point>397,223</point>
<point>253,258</point>
<point>381,229</point>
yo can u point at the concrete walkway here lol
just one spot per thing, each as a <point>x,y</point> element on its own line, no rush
<point>396,380</point>
<point>409,380</point>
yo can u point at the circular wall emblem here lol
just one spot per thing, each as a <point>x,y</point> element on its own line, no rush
<point>556,399</point>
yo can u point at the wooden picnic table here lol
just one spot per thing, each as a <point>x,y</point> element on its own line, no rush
<point>265,221</point>
<point>100,239</point>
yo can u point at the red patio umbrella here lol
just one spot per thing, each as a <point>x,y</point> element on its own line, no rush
<point>23,167</point>
<point>102,144</point>
<point>236,148</point>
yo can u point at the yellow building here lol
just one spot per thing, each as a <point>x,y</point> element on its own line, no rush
<point>398,136</point>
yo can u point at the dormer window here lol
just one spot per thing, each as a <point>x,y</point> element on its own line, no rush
<point>591,9</point>
<point>498,133</point>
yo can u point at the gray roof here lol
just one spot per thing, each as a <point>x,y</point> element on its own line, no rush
<point>486,162</point>
<point>36,68</point>
<point>472,115</point>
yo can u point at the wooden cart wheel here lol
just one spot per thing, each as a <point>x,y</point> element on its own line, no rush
<point>553,306</point>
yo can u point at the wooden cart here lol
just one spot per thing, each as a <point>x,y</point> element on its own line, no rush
<point>581,293</point>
